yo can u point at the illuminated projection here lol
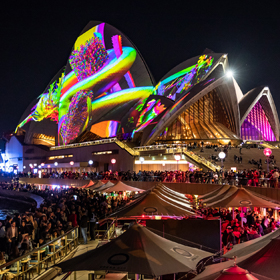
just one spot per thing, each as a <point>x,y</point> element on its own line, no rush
<point>256,126</point>
<point>47,106</point>
<point>98,79</point>
<point>180,82</point>
<point>150,110</point>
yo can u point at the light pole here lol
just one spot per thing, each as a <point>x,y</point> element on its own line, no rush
<point>222,155</point>
<point>141,160</point>
<point>113,161</point>
<point>267,152</point>
<point>177,158</point>
<point>90,162</point>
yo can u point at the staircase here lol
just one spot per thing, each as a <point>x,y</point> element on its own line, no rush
<point>201,160</point>
<point>127,148</point>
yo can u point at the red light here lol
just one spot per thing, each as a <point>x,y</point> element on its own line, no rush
<point>143,216</point>
<point>267,152</point>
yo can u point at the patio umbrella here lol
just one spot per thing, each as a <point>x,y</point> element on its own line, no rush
<point>138,251</point>
<point>218,191</point>
<point>236,273</point>
<point>243,198</point>
<point>227,192</point>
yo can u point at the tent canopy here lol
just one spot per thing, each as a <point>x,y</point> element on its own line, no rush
<point>109,184</point>
<point>121,187</point>
<point>243,198</point>
<point>97,185</point>
<point>89,184</point>
<point>139,251</point>
<point>156,202</point>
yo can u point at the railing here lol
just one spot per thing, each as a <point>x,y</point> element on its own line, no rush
<point>127,148</point>
<point>177,148</point>
<point>60,247</point>
<point>84,144</point>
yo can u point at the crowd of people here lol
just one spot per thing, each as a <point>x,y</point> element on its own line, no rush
<point>251,177</point>
<point>60,212</point>
<point>241,227</point>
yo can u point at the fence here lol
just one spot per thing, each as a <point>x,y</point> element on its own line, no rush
<point>38,260</point>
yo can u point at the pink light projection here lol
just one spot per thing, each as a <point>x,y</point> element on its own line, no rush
<point>256,126</point>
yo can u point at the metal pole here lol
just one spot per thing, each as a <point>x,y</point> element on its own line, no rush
<point>267,164</point>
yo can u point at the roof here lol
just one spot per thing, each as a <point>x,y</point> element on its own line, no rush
<point>264,96</point>
<point>139,251</point>
<point>248,99</point>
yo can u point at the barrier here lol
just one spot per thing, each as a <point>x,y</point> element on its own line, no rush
<point>38,259</point>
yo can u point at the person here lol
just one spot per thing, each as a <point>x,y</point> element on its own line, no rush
<point>73,219</point>
<point>83,226</point>
<point>2,237</point>
<point>275,177</point>
<point>12,236</point>
<point>92,223</point>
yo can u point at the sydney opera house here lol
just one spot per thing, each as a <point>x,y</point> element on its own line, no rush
<point>104,104</point>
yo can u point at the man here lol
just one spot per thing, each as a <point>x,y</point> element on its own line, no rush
<point>275,177</point>
<point>83,226</point>
<point>92,223</point>
<point>12,236</point>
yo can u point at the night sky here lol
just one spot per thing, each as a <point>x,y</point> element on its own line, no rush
<point>37,38</point>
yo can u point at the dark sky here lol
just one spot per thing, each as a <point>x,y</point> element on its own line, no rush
<point>37,37</point>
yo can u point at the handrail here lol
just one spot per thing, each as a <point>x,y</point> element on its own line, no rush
<point>37,250</point>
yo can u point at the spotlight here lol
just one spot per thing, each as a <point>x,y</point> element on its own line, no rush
<point>229,74</point>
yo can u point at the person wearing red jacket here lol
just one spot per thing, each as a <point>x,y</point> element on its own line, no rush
<point>73,218</point>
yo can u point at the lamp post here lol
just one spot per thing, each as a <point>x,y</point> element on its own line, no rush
<point>141,160</point>
<point>113,161</point>
<point>267,152</point>
<point>177,158</point>
<point>90,162</point>
<point>222,155</point>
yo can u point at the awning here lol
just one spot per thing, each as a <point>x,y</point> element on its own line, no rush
<point>138,251</point>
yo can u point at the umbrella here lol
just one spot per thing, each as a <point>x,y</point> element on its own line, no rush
<point>227,192</point>
<point>138,251</point>
<point>154,203</point>
<point>266,261</point>
<point>236,273</point>
<point>215,192</point>
<point>243,198</point>
<point>121,187</point>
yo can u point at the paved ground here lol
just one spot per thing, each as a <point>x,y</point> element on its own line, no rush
<point>81,275</point>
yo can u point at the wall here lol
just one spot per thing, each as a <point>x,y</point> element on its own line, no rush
<point>14,153</point>
<point>124,161</point>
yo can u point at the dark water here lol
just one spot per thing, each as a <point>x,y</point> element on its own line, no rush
<point>9,207</point>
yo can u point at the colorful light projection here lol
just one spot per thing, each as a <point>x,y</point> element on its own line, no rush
<point>180,82</point>
<point>105,129</point>
<point>149,112</point>
<point>101,79</point>
<point>256,126</point>
<point>91,89</point>
<point>47,106</point>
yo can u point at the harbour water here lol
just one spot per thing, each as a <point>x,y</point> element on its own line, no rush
<point>10,207</point>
